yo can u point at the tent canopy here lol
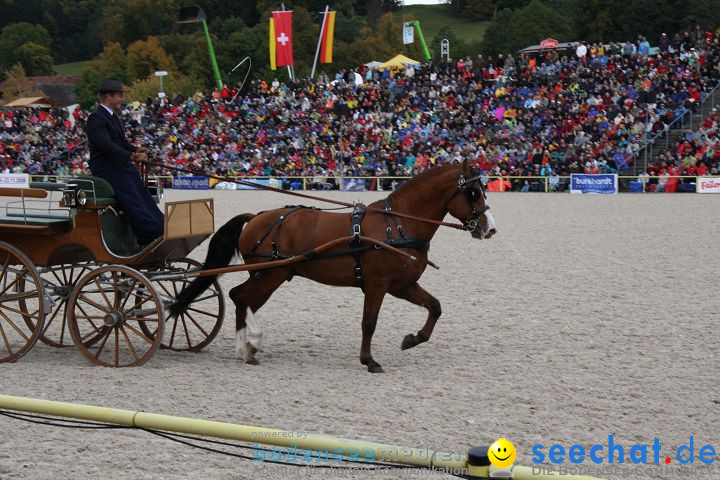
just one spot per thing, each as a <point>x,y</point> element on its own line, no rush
<point>33,102</point>
<point>400,61</point>
<point>374,64</point>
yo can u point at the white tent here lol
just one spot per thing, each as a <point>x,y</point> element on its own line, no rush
<point>373,65</point>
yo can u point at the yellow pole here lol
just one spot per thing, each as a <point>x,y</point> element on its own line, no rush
<point>268,436</point>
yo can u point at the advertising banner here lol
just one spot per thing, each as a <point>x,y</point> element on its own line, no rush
<point>708,185</point>
<point>191,183</point>
<point>603,183</point>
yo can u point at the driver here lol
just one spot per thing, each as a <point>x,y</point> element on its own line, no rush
<point>111,157</point>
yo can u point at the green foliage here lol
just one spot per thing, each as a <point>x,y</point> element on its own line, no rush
<point>112,62</point>
<point>146,57</point>
<point>173,84</point>
<point>27,44</point>
<point>516,29</point>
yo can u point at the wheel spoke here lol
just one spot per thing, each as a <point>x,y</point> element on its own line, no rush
<point>197,325</point>
<point>127,297</point>
<point>214,294</point>
<point>139,333</point>
<point>92,303</point>
<point>52,317</point>
<point>102,345</point>
<point>5,339</point>
<point>203,312</point>
<point>117,348</point>
<point>130,345</point>
<point>20,312</point>
<point>172,338</point>
<point>102,292</point>
<point>187,334</point>
<point>88,317</point>
<point>15,327</point>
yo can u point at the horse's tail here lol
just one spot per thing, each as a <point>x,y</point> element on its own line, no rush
<point>223,247</point>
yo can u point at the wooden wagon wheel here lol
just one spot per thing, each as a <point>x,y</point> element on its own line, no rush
<point>19,282</point>
<point>58,282</point>
<point>200,323</point>
<point>104,314</point>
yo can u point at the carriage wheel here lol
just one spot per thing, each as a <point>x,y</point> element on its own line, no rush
<point>19,282</point>
<point>59,282</point>
<point>201,322</point>
<point>104,314</point>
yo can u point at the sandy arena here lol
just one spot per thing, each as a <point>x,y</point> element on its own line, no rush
<point>583,317</point>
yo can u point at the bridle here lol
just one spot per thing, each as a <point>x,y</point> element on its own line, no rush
<point>471,189</point>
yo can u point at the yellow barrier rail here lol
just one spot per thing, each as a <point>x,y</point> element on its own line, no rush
<point>449,462</point>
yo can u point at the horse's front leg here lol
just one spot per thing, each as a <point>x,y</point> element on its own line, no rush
<point>417,295</point>
<point>371,309</point>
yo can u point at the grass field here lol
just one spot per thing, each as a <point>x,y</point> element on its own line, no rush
<point>434,17</point>
<point>71,69</point>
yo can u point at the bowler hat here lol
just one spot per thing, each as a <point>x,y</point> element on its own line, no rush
<point>110,85</point>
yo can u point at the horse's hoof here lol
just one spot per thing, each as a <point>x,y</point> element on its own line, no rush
<point>375,369</point>
<point>408,342</point>
<point>252,361</point>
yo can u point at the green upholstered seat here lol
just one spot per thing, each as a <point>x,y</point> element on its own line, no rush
<point>42,221</point>
<point>98,190</point>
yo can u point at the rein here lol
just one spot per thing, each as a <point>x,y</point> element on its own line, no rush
<point>311,197</point>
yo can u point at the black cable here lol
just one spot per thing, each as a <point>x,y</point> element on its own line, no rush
<point>179,438</point>
<point>56,422</point>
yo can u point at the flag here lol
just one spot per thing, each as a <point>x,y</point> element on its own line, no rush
<point>328,33</point>
<point>283,38</point>
<point>408,33</point>
<point>271,42</point>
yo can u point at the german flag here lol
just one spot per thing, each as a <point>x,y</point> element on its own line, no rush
<point>328,33</point>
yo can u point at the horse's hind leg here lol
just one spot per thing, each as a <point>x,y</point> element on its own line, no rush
<point>249,297</point>
<point>417,295</point>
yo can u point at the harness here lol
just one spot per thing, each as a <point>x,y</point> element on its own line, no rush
<point>356,248</point>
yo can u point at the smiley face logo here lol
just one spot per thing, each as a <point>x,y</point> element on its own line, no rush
<point>502,453</point>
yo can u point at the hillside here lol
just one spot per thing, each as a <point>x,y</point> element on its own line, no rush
<point>434,17</point>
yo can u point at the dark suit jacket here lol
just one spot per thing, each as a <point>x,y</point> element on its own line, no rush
<point>106,139</point>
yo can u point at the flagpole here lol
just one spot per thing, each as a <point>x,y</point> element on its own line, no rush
<point>290,74</point>
<point>317,50</point>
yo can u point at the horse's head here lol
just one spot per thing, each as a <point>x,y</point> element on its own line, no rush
<point>469,204</point>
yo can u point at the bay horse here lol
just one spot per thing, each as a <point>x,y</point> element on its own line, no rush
<point>283,232</point>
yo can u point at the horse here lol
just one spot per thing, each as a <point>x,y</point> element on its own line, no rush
<point>288,231</point>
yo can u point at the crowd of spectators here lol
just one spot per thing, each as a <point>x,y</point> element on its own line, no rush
<point>531,116</point>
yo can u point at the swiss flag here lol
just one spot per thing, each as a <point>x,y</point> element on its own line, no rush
<point>283,38</point>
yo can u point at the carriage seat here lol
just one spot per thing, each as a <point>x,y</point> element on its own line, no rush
<point>97,190</point>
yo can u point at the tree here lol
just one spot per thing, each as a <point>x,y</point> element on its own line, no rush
<point>36,59</point>
<point>15,85</point>
<point>112,62</point>
<point>12,39</point>
<point>529,25</point>
<point>173,84</point>
<point>145,57</point>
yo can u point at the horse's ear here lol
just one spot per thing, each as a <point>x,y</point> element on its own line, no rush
<point>466,168</point>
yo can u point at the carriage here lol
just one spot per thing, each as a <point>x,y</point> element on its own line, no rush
<point>72,273</point>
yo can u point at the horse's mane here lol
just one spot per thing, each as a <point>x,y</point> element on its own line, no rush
<point>421,178</point>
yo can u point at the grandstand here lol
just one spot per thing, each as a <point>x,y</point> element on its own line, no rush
<point>613,110</point>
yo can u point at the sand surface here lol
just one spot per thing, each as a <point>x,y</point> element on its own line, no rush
<point>583,317</point>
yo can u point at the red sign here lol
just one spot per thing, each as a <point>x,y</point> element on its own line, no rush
<point>549,43</point>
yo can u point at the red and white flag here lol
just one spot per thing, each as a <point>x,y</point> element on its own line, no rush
<point>283,38</point>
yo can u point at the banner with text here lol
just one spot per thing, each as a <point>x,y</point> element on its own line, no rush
<point>708,185</point>
<point>14,180</point>
<point>603,183</point>
<point>191,183</point>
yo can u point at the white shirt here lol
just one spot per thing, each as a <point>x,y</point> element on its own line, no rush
<point>112,114</point>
